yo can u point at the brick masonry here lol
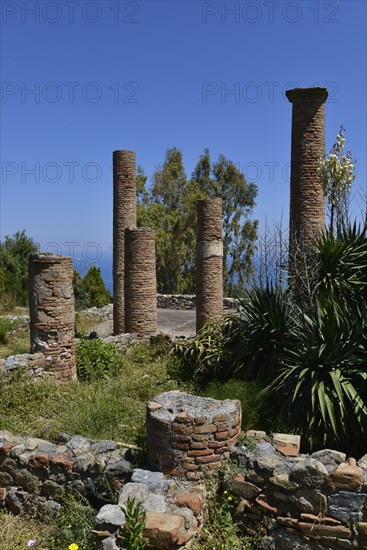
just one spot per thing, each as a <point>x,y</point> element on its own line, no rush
<point>189,436</point>
<point>307,204</point>
<point>124,215</point>
<point>209,281</point>
<point>51,311</point>
<point>140,282</point>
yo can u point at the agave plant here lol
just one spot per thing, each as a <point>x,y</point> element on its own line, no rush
<point>320,389</point>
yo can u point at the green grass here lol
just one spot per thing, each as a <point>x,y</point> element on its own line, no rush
<point>110,409</point>
<point>16,531</point>
<point>15,344</point>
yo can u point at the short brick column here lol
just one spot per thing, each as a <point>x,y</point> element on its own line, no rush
<point>209,263</point>
<point>124,215</point>
<point>51,312</point>
<point>190,436</point>
<point>140,282</point>
<point>307,203</point>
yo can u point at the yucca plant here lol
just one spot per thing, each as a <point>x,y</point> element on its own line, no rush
<point>342,264</point>
<point>321,383</point>
<point>262,334</point>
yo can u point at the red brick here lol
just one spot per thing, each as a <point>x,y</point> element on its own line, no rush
<point>221,435</point>
<point>206,428</point>
<point>182,429</point>
<point>194,501</point>
<point>209,458</point>
<point>39,460</point>
<point>200,452</point>
<point>198,445</point>
<point>63,461</point>
<point>4,449</point>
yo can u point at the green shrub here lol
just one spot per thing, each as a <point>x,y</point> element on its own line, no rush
<point>74,524</point>
<point>4,330</point>
<point>14,253</point>
<point>132,532</point>
<point>203,358</point>
<point>97,360</point>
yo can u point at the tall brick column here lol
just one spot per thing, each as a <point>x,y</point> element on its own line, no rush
<point>307,203</point>
<point>51,311</point>
<point>124,215</point>
<point>209,263</point>
<point>140,282</point>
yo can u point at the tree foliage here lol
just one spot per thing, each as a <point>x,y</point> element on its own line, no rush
<point>169,207</point>
<point>14,253</point>
<point>90,291</point>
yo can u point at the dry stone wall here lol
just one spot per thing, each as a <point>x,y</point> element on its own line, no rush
<point>209,278</point>
<point>308,502</point>
<point>307,203</point>
<point>124,215</point>
<point>51,311</point>
<point>140,282</point>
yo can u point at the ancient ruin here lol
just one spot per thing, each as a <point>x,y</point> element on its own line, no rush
<point>140,282</point>
<point>51,311</point>
<point>189,436</point>
<point>307,203</point>
<point>124,215</point>
<point>209,262</point>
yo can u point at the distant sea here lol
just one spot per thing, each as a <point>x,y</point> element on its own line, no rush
<point>105,265</point>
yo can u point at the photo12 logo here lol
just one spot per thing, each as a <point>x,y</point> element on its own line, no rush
<point>87,253</point>
<point>269,12</point>
<point>50,172</point>
<point>254,92</point>
<point>69,12</point>
<point>69,92</point>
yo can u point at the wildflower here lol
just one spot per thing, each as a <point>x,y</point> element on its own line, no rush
<point>31,542</point>
<point>73,546</point>
<point>48,358</point>
<point>230,498</point>
<point>225,493</point>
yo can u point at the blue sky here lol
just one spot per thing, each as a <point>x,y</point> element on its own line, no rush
<point>148,75</point>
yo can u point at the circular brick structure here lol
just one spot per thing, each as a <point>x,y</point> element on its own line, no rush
<point>140,282</point>
<point>189,436</point>
<point>51,312</point>
<point>209,259</point>
<point>124,215</point>
<point>307,202</point>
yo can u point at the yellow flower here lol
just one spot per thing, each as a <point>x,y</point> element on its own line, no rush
<point>225,493</point>
<point>73,546</point>
<point>230,498</point>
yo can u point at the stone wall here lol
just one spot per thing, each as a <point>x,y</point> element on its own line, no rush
<point>35,473</point>
<point>164,301</point>
<point>140,282</point>
<point>308,502</point>
<point>189,436</point>
<point>51,312</point>
<point>307,203</point>
<point>124,215</point>
<point>34,364</point>
<point>209,262</point>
